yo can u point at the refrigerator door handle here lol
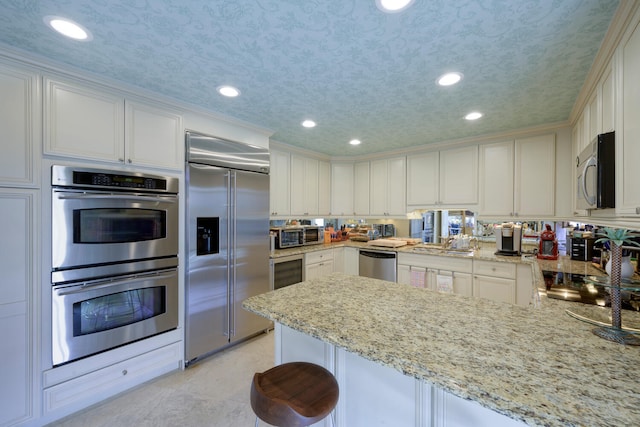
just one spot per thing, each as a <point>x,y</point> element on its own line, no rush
<point>234,208</point>
<point>227,331</point>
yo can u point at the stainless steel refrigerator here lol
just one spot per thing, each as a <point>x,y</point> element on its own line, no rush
<point>227,242</point>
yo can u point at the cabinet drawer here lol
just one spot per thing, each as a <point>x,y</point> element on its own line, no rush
<point>318,256</point>
<point>98,385</point>
<point>449,263</point>
<point>495,269</point>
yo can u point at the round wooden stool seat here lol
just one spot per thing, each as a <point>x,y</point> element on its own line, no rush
<point>294,394</point>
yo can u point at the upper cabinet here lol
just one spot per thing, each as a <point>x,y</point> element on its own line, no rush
<point>628,141</point>
<point>19,127</point>
<point>388,187</point>
<point>448,178</point>
<point>86,122</point>
<point>517,178</point>
<point>324,188</point>
<point>342,189</point>
<point>304,185</point>
<point>361,180</point>
<point>279,190</point>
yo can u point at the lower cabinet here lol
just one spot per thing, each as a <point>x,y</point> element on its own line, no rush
<point>18,264</point>
<point>495,281</point>
<point>318,264</point>
<point>374,395</point>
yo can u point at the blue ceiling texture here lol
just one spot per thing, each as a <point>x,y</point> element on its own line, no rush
<point>358,72</point>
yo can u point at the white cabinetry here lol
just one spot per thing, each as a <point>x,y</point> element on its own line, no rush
<point>82,121</point>
<point>517,179</point>
<point>342,189</point>
<point>19,127</point>
<point>304,185</point>
<point>494,280</point>
<point>324,188</point>
<point>279,183</point>
<point>388,187</point>
<point>448,178</point>
<point>628,141</point>
<point>361,188</point>
<point>19,266</point>
<point>351,261</point>
<point>423,271</point>
<point>318,264</point>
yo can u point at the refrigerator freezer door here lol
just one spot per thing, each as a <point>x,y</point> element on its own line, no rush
<point>251,253</point>
<point>207,320</point>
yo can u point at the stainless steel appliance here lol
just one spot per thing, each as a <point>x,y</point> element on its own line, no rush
<point>313,234</point>
<point>114,259</point>
<point>102,216</point>
<point>596,177</point>
<point>378,265</point>
<point>286,271</point>
<point>508,238</point>
<point>227,241</point>
<point>385,230</point>
<point>288,237</point>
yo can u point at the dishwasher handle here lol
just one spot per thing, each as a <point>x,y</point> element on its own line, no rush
<point>377,254</point>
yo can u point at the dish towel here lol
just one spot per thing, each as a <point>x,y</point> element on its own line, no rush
<point>418,276</point>
<point>444,283</point>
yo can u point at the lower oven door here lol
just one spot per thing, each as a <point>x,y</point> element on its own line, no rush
<point>95,316</point>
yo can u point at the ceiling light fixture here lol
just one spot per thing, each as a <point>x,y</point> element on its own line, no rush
<point>449,79</point>
<point>309,124</point>
<point>393,6</point>
<point>355,142</point>
<point>68,28</point>
<point>473,116</point>
<point>228,91</point>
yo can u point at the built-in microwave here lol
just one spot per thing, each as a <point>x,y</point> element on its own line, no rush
<point>596,178</point>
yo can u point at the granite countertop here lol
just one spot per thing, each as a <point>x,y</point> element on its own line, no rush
<point>538,365</point>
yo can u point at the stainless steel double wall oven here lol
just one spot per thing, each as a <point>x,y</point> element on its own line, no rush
<point>114,259</point>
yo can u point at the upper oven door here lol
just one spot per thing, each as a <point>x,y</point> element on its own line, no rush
<point>91,228</point>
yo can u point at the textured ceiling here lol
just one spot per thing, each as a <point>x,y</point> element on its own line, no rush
<point>358,72</point>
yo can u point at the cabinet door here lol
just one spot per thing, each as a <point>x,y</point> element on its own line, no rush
<point>361,189</point>
<point>496,179</point>
<point>83,122</point>
<point>628,190</point>
<point>397,186</point>
<point>423,176</point>
<point>535,176</point>
<point>379,187</point>
<point>324,188</point>
<point>342,189</point>
<point>494,288</point>
<point>279,183</point>
<point>351,261</point>
<point>463,284</point>
<point>608,101</point>
<point>154,137</point>
<point>338,260</point>
<point>19,128</point>
<point>459,176</point>
<point>19,266</point>
<point>404,274</point>
<point>304,185</point>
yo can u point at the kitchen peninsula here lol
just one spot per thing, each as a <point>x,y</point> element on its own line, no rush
<point>419,357</point>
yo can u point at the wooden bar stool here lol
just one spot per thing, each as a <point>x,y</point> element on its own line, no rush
<point>295,394</point>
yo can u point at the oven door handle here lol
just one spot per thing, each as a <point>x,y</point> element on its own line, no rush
<point>99,284</point>
<point>138,198</point>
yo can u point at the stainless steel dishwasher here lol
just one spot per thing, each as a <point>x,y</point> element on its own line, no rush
<point>378,265</point>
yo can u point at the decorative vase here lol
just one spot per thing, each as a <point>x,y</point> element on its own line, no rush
<point>626,268</point>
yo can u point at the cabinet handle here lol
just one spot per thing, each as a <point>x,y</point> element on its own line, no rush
<point>124,372</point>
<point>129,160</point>
<point>121,160</point>
<point>638,210</point>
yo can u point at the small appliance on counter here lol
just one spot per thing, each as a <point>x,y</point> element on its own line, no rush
<point>582,248</point>
<point>363,234</point>
<point>548,246</point>
<point>385,230</point>
<point>508,239</point>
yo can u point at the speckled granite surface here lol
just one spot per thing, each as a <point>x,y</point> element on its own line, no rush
<point>537,365</point>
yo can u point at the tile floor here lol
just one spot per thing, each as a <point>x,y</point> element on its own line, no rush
<point>213,392</point>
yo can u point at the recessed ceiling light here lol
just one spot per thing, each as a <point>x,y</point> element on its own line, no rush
<point>228,91</point>
<point>393,6</point>
<point>355,142</point>
<point>473,116</point>
<point>309,124</point>
<point>68,28</point>
<point>449,79</point>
